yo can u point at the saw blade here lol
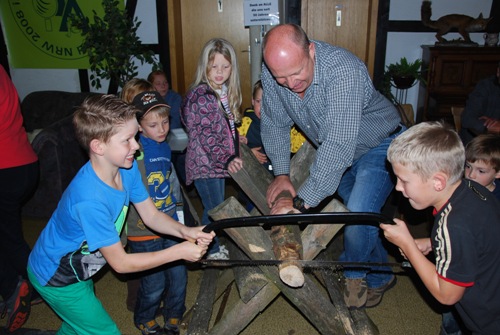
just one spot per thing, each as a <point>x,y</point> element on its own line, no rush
<point>301,263</point>
<point>267,221</point>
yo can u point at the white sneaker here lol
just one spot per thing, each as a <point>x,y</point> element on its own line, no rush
<point>223,253</point>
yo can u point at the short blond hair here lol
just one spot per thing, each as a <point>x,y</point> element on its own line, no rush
<point>99,117</point>
<point>133,87</point>
<point>428,148</point>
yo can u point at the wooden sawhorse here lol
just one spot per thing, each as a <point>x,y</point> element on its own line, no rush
<point>259,286</point>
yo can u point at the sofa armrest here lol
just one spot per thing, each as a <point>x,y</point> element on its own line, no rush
<point>60,157</point>
<point>42,108</point>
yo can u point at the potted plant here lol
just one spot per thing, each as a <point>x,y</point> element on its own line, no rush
<point>404,74</point>
<point>112,45</point>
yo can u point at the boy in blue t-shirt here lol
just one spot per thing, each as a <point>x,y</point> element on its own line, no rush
<point>167,283</point>
<point>83,233</point>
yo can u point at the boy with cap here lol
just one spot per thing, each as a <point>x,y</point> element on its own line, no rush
<point>83,233</point>
<point>167,283</point>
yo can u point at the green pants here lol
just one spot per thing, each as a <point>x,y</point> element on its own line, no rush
<point>82,313</point>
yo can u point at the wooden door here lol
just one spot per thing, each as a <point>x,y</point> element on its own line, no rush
<point>357,29</point>
<point>191,24</point>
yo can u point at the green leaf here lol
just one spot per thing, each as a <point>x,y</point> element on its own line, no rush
<point>111,42</point>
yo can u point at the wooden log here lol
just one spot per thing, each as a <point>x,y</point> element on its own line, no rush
<point>254,180</point>
<point>315,237</point>
<point>256,243</point>
<point>202,310</point>
<point>355,322</point>
<point>249,279</point>
<point>223,281</point>
<point>323,318</point>
<point>286,239</point>
<point>363,324</point>
<point>253,241</point>
<point>300,163</point>
<point>287,246</point>
<point>329,281</point>
<point>241,314</point>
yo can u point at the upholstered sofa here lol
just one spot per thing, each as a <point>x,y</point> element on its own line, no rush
<point>48,119</point>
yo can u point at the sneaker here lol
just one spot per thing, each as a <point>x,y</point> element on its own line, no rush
<point>374,295</point>
<point>223,253</point>
<point>172,327</point>
<point>17,308</point>
<point>150,327</point>
<point>355,293</point>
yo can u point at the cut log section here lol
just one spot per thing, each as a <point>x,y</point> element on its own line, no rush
<point>286,246</point>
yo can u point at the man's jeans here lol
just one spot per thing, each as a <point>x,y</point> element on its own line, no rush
<point>211,192</point>
<point>365,187</point>
<point>166,283</point>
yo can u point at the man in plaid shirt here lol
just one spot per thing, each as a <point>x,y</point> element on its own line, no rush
<point>327,92</point>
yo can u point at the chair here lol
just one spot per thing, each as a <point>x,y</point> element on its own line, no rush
<point>457,117</point>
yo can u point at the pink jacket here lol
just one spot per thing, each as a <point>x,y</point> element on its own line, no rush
<point>211,145</point>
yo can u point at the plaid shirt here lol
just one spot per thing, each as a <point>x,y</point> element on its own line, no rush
<point>341,113</point>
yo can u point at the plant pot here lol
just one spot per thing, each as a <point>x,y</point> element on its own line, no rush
<point>403,83</point>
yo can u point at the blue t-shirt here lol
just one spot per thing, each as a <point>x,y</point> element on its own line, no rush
<point>89,216</point>
<point>158,165</point>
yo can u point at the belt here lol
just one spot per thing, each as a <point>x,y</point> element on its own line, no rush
<point>397,130</point>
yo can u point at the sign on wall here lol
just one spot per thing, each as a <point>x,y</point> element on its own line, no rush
<point>38,33</point>
<point>261,12</point>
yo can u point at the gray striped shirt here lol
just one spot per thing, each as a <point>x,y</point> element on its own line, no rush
<point>341,114</point>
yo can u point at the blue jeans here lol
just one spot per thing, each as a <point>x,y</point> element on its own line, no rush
<point>211,191</point>
<point>166,283</point>
<point>364,187</point>
<point>450,325</point>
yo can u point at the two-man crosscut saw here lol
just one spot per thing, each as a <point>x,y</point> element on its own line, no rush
<point>346,218</point>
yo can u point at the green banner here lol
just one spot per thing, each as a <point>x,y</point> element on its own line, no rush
<point>38,33</point>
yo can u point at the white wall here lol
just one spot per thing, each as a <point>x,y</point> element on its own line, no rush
<point>409,44</point>
<point>398,44</point>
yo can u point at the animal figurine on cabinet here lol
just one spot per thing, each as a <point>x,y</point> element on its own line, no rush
<point>463,23</point>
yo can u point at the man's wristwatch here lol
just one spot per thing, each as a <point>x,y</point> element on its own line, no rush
<point>299,204</point>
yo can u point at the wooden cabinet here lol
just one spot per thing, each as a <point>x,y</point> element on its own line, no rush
<point>453,73</point>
